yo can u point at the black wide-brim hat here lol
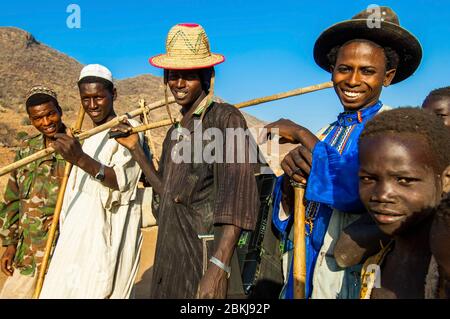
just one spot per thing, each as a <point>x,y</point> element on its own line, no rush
<point>382,27</point>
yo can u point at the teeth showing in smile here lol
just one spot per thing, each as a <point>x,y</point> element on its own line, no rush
<point>49,128</point>
<point>181,95</point>
<point>352,94</point>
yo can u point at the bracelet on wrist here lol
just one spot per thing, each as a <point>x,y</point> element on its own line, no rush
<point>221,265</point>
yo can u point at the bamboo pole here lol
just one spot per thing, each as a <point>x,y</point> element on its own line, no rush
<point>287,94</point>
<point>148,134</point>
<point>142,128</point>
<point>49,150</point>
<point>299,262</point>
<point>56,214</point>
<point>41,154</point>
<point>265,99</point>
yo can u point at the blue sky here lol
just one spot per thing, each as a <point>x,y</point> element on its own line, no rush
<point>267,44</point>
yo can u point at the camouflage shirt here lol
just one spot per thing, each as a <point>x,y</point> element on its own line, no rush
<point>29,201</point>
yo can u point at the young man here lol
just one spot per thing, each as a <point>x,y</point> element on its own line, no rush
<point>30,197</point>
<point>361,59</point>
<point>401,185</point>
<point>196,197</point>
<point>98,249</point>
<point>438,102</point>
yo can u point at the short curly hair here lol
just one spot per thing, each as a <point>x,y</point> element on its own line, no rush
<point>38,99</point>
<point>391,56</point>
<point>414,121</point>
<point>438,93</point>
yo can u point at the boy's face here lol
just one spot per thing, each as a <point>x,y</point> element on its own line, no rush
<point>185,85</point>
<point>97,101</point>
<point>440,106</point>
<point>397,183</point>
<point>359,75</point>
<point>46,118</point>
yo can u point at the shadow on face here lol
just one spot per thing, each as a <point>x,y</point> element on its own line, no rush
<point>439,105</point>
<point>399,182</point>
<point>186,86</point>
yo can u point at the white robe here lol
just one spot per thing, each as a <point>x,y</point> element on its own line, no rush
<point>98,249</point>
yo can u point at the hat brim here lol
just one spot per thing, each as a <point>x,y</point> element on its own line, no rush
<point>388,35</point>
<point>171,63</point>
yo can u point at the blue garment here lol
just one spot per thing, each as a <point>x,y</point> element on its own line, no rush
<point>332,183</point>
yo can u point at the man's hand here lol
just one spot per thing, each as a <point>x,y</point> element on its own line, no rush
<point>68,147</point>
<point>131,141</point>
<point>287,130</point>
<point>213,284</point>
<point>297,164</point>
<point>7,260</point>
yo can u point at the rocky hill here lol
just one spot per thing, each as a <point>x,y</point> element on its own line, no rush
<point>24,62</point>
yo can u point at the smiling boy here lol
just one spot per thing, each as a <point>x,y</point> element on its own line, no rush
<point>98,250</point>
<point>197,198</point>
<point>362,60</point>
<point>30,197</point>
<point>400,186</point>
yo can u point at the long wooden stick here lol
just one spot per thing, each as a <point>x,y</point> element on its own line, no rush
<point>299,270</point>
<point>49,150</point>
<point>56,214</point>
<point>265,99</point>
<point>148,135</point>
<point>41,154</point>
<point>284,95</point>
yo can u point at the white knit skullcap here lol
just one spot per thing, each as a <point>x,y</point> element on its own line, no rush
<point>96,70</point>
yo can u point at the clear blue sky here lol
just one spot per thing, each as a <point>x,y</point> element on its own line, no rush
<point>267,44</point>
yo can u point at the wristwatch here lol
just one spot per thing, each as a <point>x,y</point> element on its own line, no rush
<point>100,176</point>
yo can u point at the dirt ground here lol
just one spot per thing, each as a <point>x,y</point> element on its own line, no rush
<point>144,275</point>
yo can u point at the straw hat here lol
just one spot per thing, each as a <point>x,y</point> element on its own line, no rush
<point>187,48</point>
<point>364,25</point>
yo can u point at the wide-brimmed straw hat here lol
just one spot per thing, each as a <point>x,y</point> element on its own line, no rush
<point>187,48</point>
<point>383,28</point>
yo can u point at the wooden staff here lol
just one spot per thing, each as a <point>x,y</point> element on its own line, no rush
<point>265,99</point>
<point>158,104</point>
<point>284,95</point>
<point>56,214</point>
<point>299,261</point>
<point>147,133</point>
<point>49,150</point>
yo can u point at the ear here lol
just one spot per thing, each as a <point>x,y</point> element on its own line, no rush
<point>388,77</point>
<point>446,180</point>
<point>114,94</point>
<point>331,69</point>
<point>332,72</point>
